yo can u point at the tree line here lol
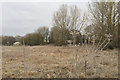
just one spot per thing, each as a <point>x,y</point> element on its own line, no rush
<point>69,20</point>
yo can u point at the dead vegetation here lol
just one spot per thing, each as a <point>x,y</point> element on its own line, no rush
<point>58,62</point>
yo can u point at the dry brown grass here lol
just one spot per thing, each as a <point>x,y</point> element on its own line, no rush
<point>57,62</point>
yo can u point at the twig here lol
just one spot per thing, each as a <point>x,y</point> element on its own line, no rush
<point>25,67</point>
<point>99,42</point>
<point>105,45</point>
<point>85,69</point>
<point>100,46</point>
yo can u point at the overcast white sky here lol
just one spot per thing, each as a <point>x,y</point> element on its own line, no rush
<point>20,18</point>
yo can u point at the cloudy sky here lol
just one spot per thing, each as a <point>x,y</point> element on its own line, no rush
<point>20,18</point>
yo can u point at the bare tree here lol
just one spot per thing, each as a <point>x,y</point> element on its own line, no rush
<point>77,21</point>
<point>77,18</point>
<point>44,31</point>
<point>105,19</point>
<point>61,24</point>
<point>61,18</point>
<point>68,20</point>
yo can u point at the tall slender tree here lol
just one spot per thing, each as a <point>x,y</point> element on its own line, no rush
<point>61,24</point>
<point>105,19</point>
<point>66,20</point>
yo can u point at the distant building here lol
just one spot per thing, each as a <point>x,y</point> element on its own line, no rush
<point>69,42</point>
<point>17,44</point>
<point>46,41</point>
